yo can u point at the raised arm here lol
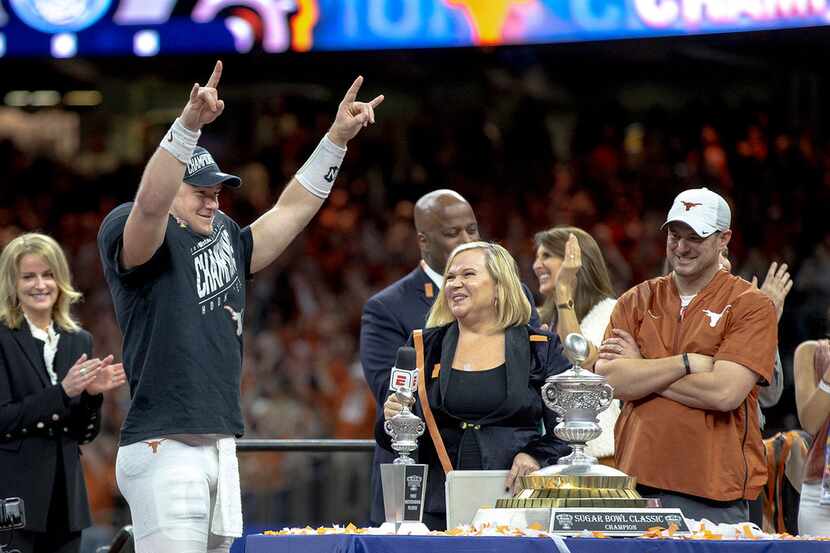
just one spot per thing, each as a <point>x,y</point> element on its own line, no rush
<point>812,402</point>
<point>565,292</point>
<point>777,285</point>
<point>144,230</point>
<point>305,193</point>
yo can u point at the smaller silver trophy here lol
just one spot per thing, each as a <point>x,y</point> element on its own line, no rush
<point>404,481</point>
<point>404,428</point>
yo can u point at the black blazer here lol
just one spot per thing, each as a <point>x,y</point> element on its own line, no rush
<point>511,428</point>
<point>36,418</point>
<point>389,317</point>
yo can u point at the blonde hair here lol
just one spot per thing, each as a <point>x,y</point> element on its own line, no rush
<point>512,306</point>
<point>593,284</point>
<point>52,254</point>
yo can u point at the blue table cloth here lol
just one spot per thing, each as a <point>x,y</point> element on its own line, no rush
<point>258,543</point>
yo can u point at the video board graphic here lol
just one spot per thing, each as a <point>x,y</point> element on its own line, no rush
<point>68,28</point>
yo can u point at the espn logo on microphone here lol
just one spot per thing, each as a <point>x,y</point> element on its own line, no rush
<point>403,381</point>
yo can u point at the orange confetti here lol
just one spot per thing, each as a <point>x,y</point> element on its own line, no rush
<point>598,534</point>
<point>535,526</point>
<point>709,535</point>
<point>654,532</point>
<point>748,532</point>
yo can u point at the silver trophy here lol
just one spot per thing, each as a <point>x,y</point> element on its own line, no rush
<point>578,494</point>
<point>404,428</point>
<point>578,396</point>
<point>404,480</point>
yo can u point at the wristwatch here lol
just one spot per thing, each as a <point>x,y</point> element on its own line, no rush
<point>567,305</point>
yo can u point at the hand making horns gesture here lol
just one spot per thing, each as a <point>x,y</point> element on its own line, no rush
<point>352,115</point>
<point>204,105</point>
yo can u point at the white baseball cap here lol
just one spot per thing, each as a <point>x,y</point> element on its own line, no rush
<point>703,210</point>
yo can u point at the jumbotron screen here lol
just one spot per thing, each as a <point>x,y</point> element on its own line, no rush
<point>69,28</point>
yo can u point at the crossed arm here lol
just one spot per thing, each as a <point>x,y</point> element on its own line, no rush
<point>712,385</point>
<point>724,388</point>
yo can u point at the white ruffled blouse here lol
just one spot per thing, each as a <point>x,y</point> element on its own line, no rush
<point>50,338</point>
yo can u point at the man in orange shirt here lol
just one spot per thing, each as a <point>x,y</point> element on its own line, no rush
<point>686,352</point>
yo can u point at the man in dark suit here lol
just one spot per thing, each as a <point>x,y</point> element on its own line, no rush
<point>443,220</point>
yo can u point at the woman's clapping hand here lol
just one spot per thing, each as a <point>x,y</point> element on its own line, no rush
<point>108,377</point>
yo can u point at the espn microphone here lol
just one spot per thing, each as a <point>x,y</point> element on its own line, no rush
<point>404,378</point>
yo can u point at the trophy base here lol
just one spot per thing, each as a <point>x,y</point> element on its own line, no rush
<point>404,489</point>
<point>605,498</point>
<point>404,528</point>
<point>578,521</point>
<point>576,486</point>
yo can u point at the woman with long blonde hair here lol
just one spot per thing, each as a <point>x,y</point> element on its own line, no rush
<point>50,394</point>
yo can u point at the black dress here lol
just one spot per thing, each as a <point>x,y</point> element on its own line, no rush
<point>471,396</point>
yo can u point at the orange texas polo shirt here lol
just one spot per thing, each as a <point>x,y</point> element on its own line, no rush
<point>668,445</point>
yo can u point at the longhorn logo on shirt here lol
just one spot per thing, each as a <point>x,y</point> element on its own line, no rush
<point>237,317</point>
<point>714,318</point>
<point>689,205</point>
<point>154,445</point>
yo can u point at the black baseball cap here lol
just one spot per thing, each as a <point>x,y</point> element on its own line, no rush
<point>202,170</point>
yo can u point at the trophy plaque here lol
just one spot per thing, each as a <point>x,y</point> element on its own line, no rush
<point>577,493</point>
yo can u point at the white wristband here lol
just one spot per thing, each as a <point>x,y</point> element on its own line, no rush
<point>319,171</point>
<point>180,141</point>
<point>823,386</point>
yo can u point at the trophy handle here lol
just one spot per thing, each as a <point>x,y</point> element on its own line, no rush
<point>606,396</point>
<point>551,399</point>
<point>387,427</point>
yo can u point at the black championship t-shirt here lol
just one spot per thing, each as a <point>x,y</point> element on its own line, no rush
<point>181,317</point>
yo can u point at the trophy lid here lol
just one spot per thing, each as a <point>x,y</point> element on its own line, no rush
<point>577,350</point>
<point>577,374</point>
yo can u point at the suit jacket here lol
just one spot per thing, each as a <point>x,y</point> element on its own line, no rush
<point>512,428</point>
<point>37,418</point>
<point>389,317</point>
